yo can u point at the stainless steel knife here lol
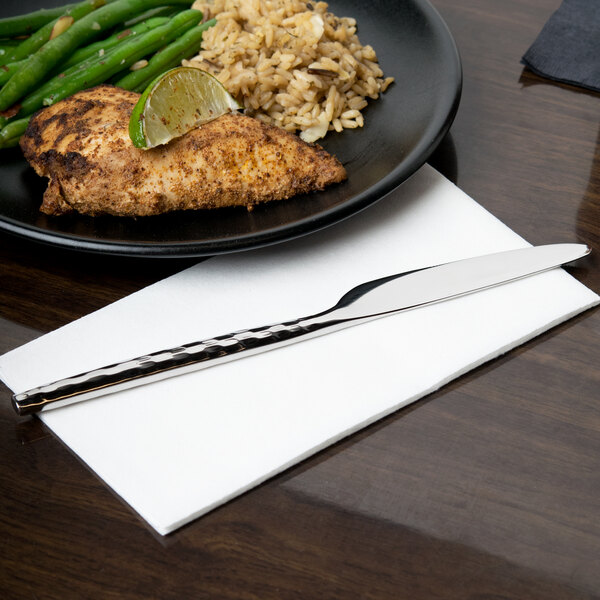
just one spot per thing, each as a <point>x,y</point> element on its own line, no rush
<point>372,300</point>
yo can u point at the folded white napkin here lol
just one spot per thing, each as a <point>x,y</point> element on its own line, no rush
<point>178,448</point>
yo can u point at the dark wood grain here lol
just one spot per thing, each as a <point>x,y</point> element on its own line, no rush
<point>487,489</point>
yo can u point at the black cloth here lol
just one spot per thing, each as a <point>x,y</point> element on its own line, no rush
<point>568,47</point>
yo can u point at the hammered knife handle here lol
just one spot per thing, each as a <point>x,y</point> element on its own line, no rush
<point>163,364</point>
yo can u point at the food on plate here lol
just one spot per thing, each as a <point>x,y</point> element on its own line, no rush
<point>20,25</point>
<point>132,41</point>
<point>293,66</point>
<point>177,102</point>
<point>291,63</point>
<point>39,64</point>
<point>52,29</point>
<point>82,145</point>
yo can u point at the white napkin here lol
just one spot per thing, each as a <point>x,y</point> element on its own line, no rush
<point>176,449</point>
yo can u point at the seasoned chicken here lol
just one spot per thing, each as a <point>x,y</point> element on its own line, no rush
<point>82,145</point>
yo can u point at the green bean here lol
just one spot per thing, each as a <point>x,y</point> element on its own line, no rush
<point>7,71</point>
<point>160,11</point>
<point>41,36</point>
<point>7,46</point>
<point>115,39</point>
<point>23,24</point>
<point>15,129</point>
<point>9,143</point>
<point>6,49</point>
<point>98,69</point>
<point>52,53</point>
<point>184,47</point>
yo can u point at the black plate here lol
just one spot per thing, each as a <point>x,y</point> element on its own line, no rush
<point>401,130</point>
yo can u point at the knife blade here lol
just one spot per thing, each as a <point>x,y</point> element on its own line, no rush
<point>368,301</point>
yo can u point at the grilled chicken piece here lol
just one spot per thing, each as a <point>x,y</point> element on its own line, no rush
<point>82,144</point>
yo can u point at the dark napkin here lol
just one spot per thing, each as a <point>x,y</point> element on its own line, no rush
<point>568,47</point>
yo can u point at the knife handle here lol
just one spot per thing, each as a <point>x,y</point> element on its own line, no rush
<point>166,363</point>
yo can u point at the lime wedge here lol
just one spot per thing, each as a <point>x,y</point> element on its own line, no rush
<point>176,102</point>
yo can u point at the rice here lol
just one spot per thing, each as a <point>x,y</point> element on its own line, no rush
<point>291,63</point>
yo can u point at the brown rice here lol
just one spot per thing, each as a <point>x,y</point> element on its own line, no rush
<point>291,63</point>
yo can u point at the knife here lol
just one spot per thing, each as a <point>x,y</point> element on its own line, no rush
<point>371,300</point>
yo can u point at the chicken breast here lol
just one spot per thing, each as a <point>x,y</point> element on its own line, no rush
<point>82,145</point>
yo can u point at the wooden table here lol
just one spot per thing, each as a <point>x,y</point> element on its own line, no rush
<point>489,488</point>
